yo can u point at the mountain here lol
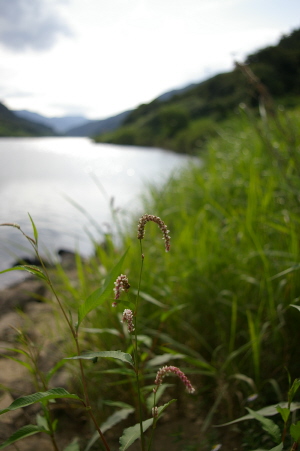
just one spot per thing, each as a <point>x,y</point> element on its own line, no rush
<point>169,94</point>
<point>12,125</point>
<point>59,124</point>
<point>96,127</point>
<point>184,120</point>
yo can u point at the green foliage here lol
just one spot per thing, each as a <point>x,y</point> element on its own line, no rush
<point>25,431</point>
<point>11,125</point>
<point>187,120</point>
<point>131,434</point>
<point>119,355</point>
<point>101,294</point>
<point>268,425</point>
<point>24,401</point>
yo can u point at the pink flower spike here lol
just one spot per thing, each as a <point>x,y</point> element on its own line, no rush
<point>166,371</point>
<point>141,228</point>
<point>128,318</point>
<point>121,284</point>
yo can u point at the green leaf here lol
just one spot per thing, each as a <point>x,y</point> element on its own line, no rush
<point>122,405</point>
<point>101,331</point>
<point>162,408</point>
<point>24,401</point>
<point>42,422</point>
<point>101,294</point>
<point>111,421</point>
<point>159,393</point>
<point>164,316</point>
<point>164,358</point>
<point>293,390</point>
<point>284,412</point>
<point>131,434</point>
<point>268,425</point>
<point>265,411</point>
<point>25,431</point>
<point>295,306</point>
<point>295,431</point>
<point>35,232</point>
<point>73,446</point>
<point>122,371</point>
<point>278,447</point>
<point>35,270</point>
<point>119,355</point>
<point>151,299</point>
<point>21,362</point>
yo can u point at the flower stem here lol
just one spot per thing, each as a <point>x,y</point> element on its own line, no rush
<point>136,357</point>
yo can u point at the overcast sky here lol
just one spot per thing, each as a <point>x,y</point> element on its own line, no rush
<point>101,57</point>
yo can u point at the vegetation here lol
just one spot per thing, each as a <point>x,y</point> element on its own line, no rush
<point>188,119</point>
<point>12,125</point>
<point>233,270</point>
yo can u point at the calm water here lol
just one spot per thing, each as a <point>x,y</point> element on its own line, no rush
<point>44,176</point>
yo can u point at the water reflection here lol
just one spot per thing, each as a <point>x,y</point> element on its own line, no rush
<point>42,175</point>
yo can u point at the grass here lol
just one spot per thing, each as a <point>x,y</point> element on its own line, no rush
<point>233,269</point>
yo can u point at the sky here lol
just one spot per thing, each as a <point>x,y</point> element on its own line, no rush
<point>98,58</point>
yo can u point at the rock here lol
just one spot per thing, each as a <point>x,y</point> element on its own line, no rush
<point>19,295</point>
<point>8,325</point>
<point>67,259</point>
<point>15,377</point>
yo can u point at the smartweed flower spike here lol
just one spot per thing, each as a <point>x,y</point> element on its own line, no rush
<point>154,412</point>
<point>166,371</point>
<point>141,228</point>
<point>128,318</point>
<point>121,284</point>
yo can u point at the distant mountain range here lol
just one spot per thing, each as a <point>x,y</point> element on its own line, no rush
<point>29,123</point>
<point>60,125</point>
<point>97,127</point>
<point>80,126</point>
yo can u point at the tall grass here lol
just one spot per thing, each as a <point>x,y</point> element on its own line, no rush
<point>234,266</point>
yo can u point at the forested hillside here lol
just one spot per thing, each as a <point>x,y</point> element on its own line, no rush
<point>185,121</point>
<point>11,125</point>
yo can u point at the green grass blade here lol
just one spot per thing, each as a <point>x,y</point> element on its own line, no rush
<point>35,231</point>
<point>31,269</point>
<point>73,446</point>
<point>101,294</point>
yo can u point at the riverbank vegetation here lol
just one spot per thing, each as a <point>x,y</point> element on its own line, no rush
<point>219,303</point>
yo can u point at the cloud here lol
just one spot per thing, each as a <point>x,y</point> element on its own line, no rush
<point>30,24</point>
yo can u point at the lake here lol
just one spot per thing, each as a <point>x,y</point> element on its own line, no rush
<point>68,186</point>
